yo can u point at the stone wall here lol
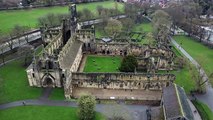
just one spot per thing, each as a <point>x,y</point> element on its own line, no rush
<point>119,81</point>
<point>122,80</point>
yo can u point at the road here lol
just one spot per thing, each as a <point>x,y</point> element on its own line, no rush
<point>136,112</point>
<point>208,96</point>
<point>19,42</point>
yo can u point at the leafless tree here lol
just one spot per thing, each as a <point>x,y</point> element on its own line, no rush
<point>161,24</point>
<point>26,51</point>
<point>99,9</point>
<point>17,32</point>
<point>113,27</point>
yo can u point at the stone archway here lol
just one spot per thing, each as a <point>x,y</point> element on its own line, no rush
<point>48,81</point>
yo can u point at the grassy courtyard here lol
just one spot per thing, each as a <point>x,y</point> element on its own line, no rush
<point>204,110</point>
<point>29,17</point>
<point>14,84</point>
<point>102,63</point>
<point>42,113</point>
<point>199,52</point>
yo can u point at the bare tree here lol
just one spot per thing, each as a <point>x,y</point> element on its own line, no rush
<point>25,29</point>
<point>51,20</point>
<point>113,27</point>
<point>26,51</point>
<point>87,14</point>
<point>131,11</point>
<point>128,24</point>
<point>10,41</point>
<point>17,32</point>
<point>161,25</point>
<point>99,9</point>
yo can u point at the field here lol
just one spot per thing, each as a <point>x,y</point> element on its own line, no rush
<point>184,79</point>
<point>204,110</point>
<point>102,64</point>
<point>202,54</point>
<point>57,94</point>
<point>14,84</point>
<point>145,27</point>
<point>29,17</point>
<point>183,76</point>
<point>42,113</point>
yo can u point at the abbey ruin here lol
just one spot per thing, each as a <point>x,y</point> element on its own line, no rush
<point>58,65</point>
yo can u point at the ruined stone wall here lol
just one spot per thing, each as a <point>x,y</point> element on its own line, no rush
<point>44,78</point>
<point>112,48</point>
<point>122,80</point>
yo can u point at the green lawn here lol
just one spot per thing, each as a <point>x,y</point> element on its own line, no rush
<point>102,64</point>
<point>57,94</point>
<point>14,84</point>
<point>144,27</point>
<point>199,52</point>
<point>29,17</point>
<point>42,113</point>
<point>184,79</point>
<point>204,110</point>
<point>183,76</point>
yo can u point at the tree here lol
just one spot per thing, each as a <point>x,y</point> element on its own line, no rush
<point>191,11</point>
<point>99,9</point>
<point>17,32</point>
<point>86,104</point>
<point>131,11</point>
<point>161,25</point>
<point>2,47</point>
<point>86,14</point>
<point>49,2</point>
<point>116,7</point>
<point>129,64</point>
<point>113,28</point>
<point>25,29</point>
<point>51,20</point>
<point>176,13</point>
<point>181,62</point>
<point>128,24</point>
<point>26,51</point>
<point>1,36</point>
<point>104,16</point>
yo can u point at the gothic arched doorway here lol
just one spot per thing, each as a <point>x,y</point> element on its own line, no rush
<point>48,82</point>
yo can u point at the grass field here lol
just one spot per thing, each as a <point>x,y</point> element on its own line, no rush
<point>199,52</point>
<point>204,110</point>
<point>145,27</point>
<point>42,113</point>
<point>57,94</point>
<point>14,84</point>
<point>184,79</point>
<point>29,17</point>
<point>102,64</point>
<point>183,76</point>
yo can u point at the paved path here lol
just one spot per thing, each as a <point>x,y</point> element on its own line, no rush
<point>207,98</point>
<point>46,93</point>
<point>137,112</point>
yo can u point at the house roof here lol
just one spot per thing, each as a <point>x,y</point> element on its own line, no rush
<point>175,103</point>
